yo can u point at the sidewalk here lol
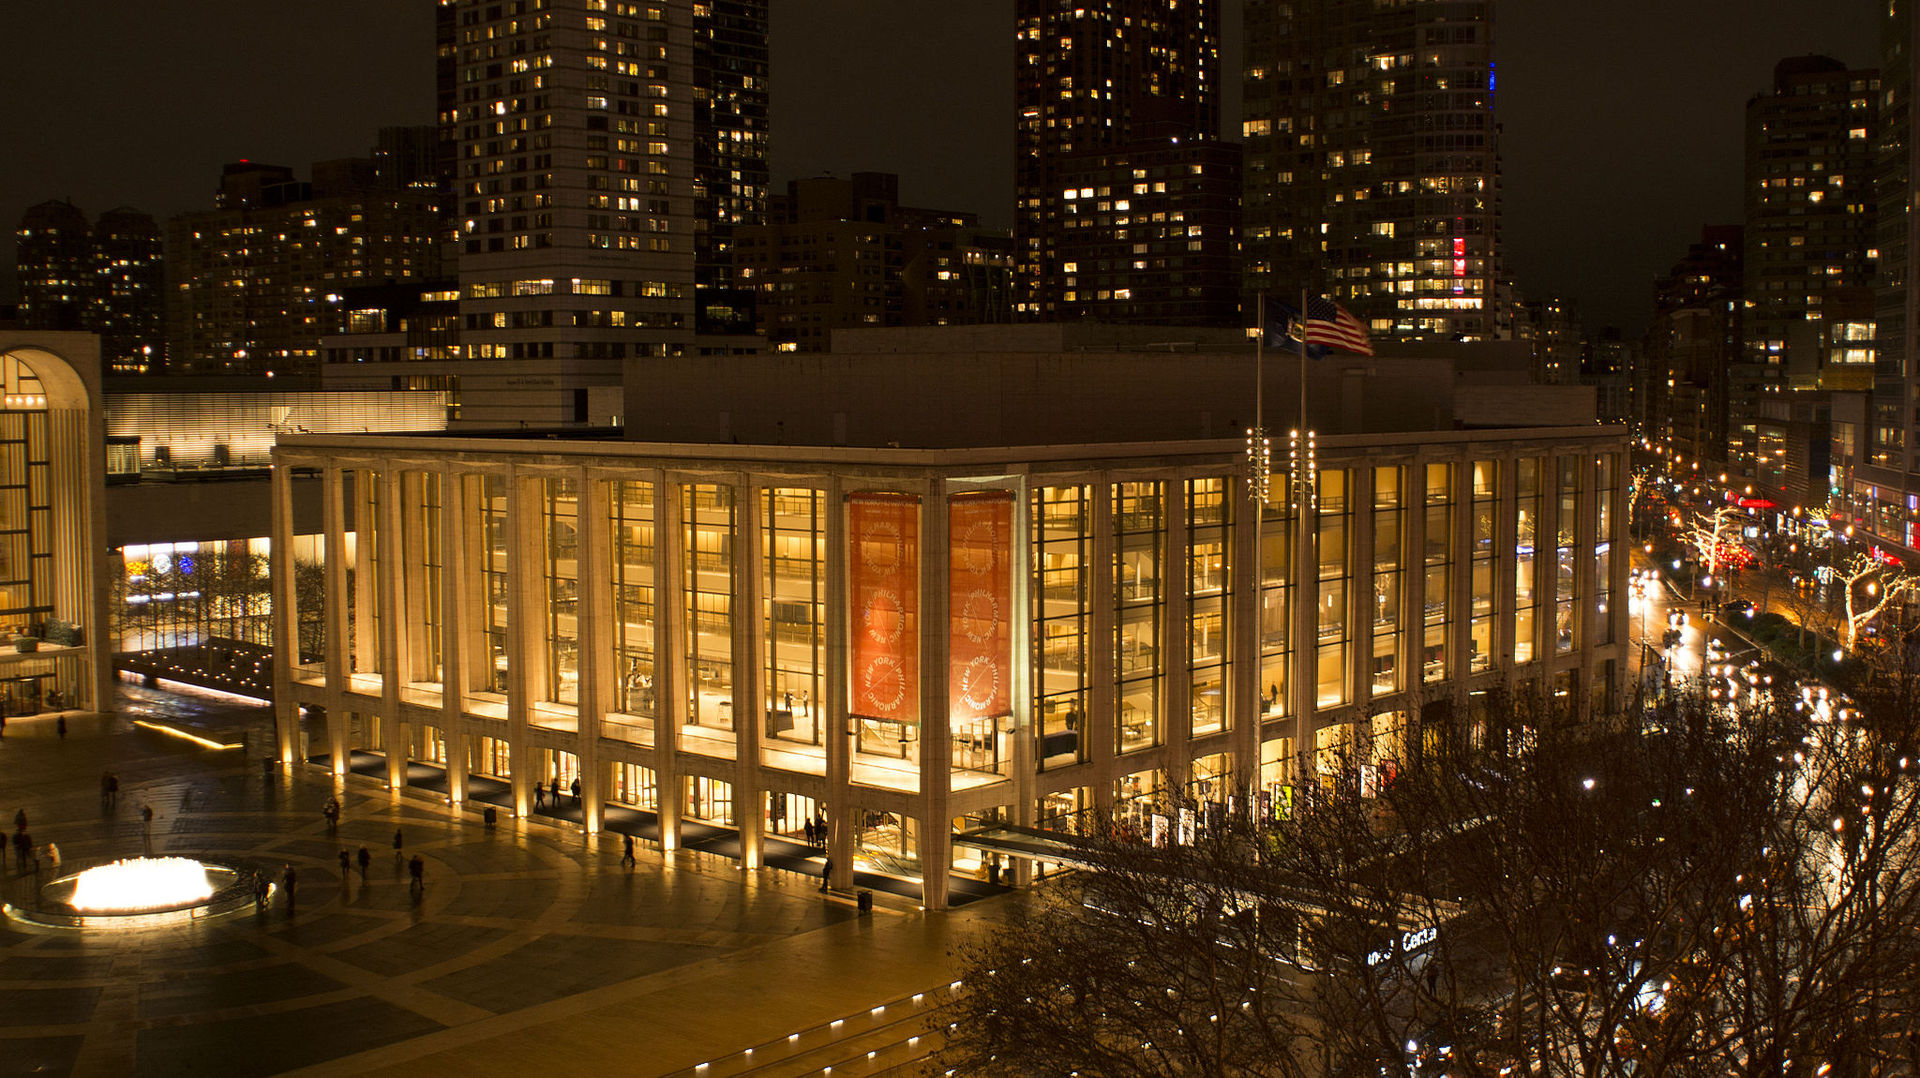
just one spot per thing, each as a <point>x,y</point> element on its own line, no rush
<point>531,947</point>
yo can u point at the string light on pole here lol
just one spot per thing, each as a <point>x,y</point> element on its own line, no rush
<point>1304,470</point>
<point>1259,463</point>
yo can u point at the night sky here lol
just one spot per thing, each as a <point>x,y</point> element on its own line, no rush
<point>1622,119</point>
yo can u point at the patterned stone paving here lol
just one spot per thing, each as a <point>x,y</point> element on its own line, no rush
<point>528,944</point>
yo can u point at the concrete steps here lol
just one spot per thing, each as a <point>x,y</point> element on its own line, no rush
<point>894,1038</point>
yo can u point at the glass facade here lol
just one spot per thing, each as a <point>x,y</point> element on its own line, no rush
<point>1437,593</point>
<point>1486,538</point>
<point>1209,534</point>
<point>496,533</point>
<point>1061,526</point>
<point>1603,478</point>
<point>1389,574</point>
<point>560,530</point>
<point>1276,605</point>
<point>422,529</point>
<point>1526,499</point>
<point>630,511</point>
<point>1335,541</point>
<point>26,529</point>
<point>1139,550</point>
<point>1119,669</point>
<point>707,553</point>
<point>794,622</point>
<point>178,595</point>
<point>1566,588</point>
<point>363,574</point>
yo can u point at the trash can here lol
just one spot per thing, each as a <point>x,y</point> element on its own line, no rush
<point>865,900</point>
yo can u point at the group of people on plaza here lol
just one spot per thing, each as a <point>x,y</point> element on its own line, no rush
<point>552,789</point>
<point>416,867</point>
<point>816,831</point>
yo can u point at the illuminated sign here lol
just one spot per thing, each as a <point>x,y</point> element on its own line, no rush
<point>1409,943</point>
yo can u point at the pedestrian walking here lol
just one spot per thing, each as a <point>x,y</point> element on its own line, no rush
<point>103,789</point>
<point>365,860</point>
<point>539,796</point>
<point>576,792</point>
<point>396,844</point>
<point>60,725</point>
<point>826,874</point>
<point>808,829</point>
<point>555,791</point>
<point>346,864</point>
<point>20,820</point>
<point>332,813</point>
<point>418,870</point>
<point>627,857</point>
<point>113,790</point>
<point>260,890</point>
<point>490,816</point>
<point>146,826</point>
<point>287,880</point>
<point>53,856</point>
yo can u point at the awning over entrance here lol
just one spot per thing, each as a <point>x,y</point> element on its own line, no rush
<point>1031,843</point>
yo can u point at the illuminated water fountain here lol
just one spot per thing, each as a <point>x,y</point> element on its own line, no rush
<point>139,892</point>
<point>142,885</point>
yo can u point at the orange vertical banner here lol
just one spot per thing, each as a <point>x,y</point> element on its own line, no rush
<point>980,578</point>
<point>884,584</point>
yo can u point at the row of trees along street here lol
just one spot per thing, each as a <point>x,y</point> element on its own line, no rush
<point>1680,891</point>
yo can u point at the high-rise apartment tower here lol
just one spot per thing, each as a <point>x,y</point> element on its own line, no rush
<point>1809,254</point>
<point>582,201</point>
<point>1372,161</point>
<point>1126,195</point>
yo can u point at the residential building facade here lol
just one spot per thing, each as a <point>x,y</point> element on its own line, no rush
<point>1126,197</point>
<point>844,253</point>
<point>1808,263</point>
<point>254,283</point>
<point>104,278</point>
<point>1372,169</point>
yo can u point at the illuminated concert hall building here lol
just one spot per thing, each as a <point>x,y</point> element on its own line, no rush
<point>937,583</point>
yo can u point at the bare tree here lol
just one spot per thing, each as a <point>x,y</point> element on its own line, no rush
<point>1713,536</point>
<point>1867,587</point>
<point>1689,892</point>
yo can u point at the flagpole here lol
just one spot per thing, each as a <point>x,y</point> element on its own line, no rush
<point>1303,361</point>
<point>1300,639</point>
<point>1259,360</point>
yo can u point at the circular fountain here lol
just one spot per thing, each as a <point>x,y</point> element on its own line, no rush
<point>139,892</point>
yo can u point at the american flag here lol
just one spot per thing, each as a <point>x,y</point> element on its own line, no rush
<point>1328,325</point>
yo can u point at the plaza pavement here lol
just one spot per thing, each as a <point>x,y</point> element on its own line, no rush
<point>531,950</point>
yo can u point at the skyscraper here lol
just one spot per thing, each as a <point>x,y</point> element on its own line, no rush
<point>1125,192</point>
<point>1372,161</point>
<point>104,278</point>
<point>131,285</point>
<point>58,283</point>
<point>1808,321</point>
<point>580,191</point>
<point>1693,343</point>
<point>730,170</point>
<point>255,282</point>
